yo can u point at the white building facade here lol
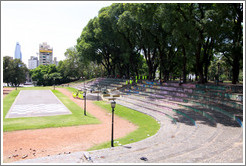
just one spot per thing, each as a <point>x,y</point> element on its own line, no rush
<point>45,54</point>
<point>32,62</point>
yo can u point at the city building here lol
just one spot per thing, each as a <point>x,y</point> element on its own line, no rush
<point>55,61</point>
<point>18,54</point>
<point>45,54</point>
<point>32,62</point>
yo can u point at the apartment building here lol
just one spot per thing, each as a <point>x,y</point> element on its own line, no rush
<point>45,54</point>
<point>32,62</point>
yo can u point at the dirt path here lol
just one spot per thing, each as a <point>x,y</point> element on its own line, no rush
<point>7,90</point>
<point>51,141</point>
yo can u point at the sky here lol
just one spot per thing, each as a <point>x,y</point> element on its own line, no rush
<point>33,22</point>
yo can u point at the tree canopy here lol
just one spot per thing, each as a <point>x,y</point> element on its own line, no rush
<point>175,39</point>
<point>14,71</point>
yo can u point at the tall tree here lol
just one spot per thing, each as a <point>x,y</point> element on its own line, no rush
<point>14,71</point>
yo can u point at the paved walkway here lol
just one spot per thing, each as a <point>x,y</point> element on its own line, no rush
<point>32,103</point>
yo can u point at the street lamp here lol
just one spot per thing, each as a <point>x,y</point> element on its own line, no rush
<point>113,104</point>
<point>84,96</point>
<point>98,92</point>
<point>218,76</point>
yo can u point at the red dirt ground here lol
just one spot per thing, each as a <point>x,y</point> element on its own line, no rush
<point>52,141</point>
<point>7,91</point>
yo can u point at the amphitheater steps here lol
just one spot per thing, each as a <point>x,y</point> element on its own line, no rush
<point>163,104</point>
<point>210,150</point>
<point>216,115</point>
<point>213,105</point>
<point>176,145</point>
<point>187,143</point>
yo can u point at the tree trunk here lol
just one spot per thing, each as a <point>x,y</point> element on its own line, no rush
<point>199,64</point>
<point>236,52</point>
<point>184,65</point>
<point>235,69</point>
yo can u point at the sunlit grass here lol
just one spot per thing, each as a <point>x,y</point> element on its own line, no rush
<point>76,118</point>
<point>147,125</point>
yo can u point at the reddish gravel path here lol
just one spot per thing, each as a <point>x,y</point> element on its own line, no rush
<point>51,141</point>
<point>7,91</point>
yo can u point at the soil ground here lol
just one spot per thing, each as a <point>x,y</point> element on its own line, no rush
<point>27,144</point>
<point>7,91</point>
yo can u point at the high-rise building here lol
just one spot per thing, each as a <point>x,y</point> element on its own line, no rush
<point>18,54</point>
<point>45,54</point>
<point>32,62</point>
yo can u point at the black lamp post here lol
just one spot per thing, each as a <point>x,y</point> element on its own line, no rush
<point>218,75</point>
<point>113,104</point>
<point>98,92</point>
<point>84,95</point>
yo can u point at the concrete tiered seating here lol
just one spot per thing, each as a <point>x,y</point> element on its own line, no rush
<point>108,85</point>
<point>230,105</point>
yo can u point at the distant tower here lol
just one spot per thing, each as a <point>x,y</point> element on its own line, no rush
<point>18,54</point>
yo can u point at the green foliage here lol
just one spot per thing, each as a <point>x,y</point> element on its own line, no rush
<point>45,74</point>
<point>175,39</point>
<point>14,71</point>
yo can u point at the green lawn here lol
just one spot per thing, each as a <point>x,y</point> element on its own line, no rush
<point>71,89</point>
<point>76,118</point>
<point>147,125</point>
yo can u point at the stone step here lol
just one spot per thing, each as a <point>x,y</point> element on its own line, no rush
<point>173,113</point>
<point>210,115</point>
<point>225,110</point>
<point>174,145</point>
<point>210,149</point>
<point>198,117</point>
<point>231,98</point>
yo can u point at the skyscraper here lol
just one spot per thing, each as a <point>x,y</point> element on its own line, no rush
<point>18,54</point>
<point>45,54</point>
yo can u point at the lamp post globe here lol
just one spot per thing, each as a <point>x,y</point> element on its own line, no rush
<point>113,104</point>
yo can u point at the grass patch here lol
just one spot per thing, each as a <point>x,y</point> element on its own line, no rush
<point>36,88</point>
<point>147,125</point>
<point>76,118</point>
<point>71,89</point>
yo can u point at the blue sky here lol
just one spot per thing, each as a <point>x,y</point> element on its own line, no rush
<point>57,23</point>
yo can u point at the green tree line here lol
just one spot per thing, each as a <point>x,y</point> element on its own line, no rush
<point>174,39</point>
